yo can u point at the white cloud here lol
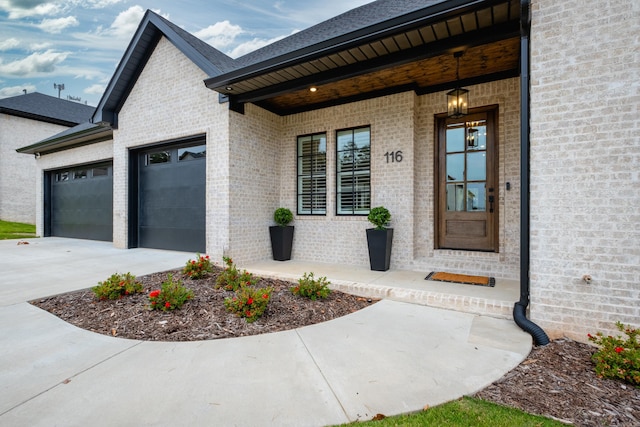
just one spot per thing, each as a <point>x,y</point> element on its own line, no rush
<point>24,9</point>
<point>6,92</point>
<point>96,89</point>
<point>101,4</point>
<point>255,44</point>
<point>9,44</point>
<point>34,64</point>
<point>34,47</point>
<point>127,22</point>
<point>55,26</point>
<point>219,35</point>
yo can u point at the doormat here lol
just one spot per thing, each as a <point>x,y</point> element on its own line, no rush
<point>461,278</point>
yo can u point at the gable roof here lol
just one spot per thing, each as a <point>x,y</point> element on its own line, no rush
<point>151,29</point>
<point>45,108</point>
<point>383,47</point>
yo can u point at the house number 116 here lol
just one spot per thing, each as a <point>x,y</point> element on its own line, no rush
<point>393,156</point>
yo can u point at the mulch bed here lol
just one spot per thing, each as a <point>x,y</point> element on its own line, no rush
<point>559,381</point>
<point>556,381</point>
<point>202,318</point>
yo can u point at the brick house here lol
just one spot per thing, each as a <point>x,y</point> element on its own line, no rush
<point>23,120</point>
<point>350,114</point>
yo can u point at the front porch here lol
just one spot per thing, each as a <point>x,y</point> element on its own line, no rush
<point>401,285</point>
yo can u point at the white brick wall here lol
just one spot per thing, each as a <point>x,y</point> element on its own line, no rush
<point>399,122</point>
<point>342,239</point>
<point>168,102</point>
<point>18,171</point>
<point>585,163</point>
<point>254,186</point>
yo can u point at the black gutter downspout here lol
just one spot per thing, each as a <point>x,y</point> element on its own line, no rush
<point>520,307</point>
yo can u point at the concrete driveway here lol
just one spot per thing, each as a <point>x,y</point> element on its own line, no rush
<point>390,358</point>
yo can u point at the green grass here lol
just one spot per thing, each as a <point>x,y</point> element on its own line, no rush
<point>465,412</point>
<point>16,230</point>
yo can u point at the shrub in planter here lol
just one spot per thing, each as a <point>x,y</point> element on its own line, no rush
<point>379,239</point>
<point>380,217</point>
<point>117,286</point>
<point>282,235</point>
<point>282,217</point>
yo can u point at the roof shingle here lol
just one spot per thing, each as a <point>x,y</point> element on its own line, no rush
<point>355,19</point>
<point>46,108</point>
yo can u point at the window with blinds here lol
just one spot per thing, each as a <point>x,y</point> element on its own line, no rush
<point>353,171</point>
<point>312,174</point>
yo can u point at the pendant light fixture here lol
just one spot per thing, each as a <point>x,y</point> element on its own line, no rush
<point>458,98</point>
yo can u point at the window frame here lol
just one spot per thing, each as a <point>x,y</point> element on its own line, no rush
<point>299,193</point>
<point>356,175</point>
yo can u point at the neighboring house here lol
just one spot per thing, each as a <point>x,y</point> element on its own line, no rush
<point>26,119</point>
<point>352,114</point>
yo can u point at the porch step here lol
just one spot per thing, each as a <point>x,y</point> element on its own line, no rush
<point>463,303</point>
<point>401,285</point>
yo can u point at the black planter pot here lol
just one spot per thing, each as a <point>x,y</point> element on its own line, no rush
<point>379,242</point>
<point>281,242</point>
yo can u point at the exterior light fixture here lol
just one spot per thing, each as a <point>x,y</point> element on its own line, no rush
<point>458,98</point>
<point>472,137</point>
<point>313,89</point>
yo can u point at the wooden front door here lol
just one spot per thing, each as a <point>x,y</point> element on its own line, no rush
<point>466,182</point>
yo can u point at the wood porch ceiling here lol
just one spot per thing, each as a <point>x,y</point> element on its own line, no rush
<point>418,58</point>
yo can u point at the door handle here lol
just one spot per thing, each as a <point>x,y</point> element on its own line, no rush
<point>491,199</point>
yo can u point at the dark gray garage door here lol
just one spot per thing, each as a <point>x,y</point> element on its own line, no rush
<point>171,204</point>
<point>81,202</point>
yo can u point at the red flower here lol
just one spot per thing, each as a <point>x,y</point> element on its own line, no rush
<point>207,257</point>
<point>193,262</point>
<point>619,349</point>
<point>154,294</point>
<point>265,296</point>
<point>121,283</point>
<point>250,301</point>
<point>248,313</point>
<point>167,304</point>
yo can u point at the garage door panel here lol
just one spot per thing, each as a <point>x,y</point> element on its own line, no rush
<point>172,217</point>
<point>82,205</point>
<point>177,239</point>
<point>171,211</point>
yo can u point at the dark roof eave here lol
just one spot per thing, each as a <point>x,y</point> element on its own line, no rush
<point>36,117</point>
<point>92,135</point>
<point>347,41</point>
<point>151,29</point>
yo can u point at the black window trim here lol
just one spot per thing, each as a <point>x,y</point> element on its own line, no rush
<point>353,214</point>
<point>298,194</point>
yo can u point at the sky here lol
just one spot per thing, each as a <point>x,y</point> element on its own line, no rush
<point>45,44</point>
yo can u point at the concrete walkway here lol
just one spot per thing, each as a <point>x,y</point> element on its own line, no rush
<point>390,358</point>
